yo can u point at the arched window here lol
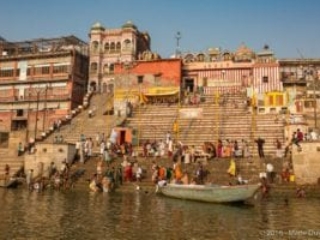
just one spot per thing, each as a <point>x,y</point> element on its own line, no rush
<point>106,47</point>
<point>118,47</point>
<point>127,44</point>
<point>94,67</point>
<point>111,68</point>
<point>200,57</point>
<point>112,47</point>
<point>105,68</point>
<point>95,46</point>
<point>189,58</point>
<point>226,56</point>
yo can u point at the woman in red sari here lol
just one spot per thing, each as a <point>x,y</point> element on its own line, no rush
<point>128,173</point>
<point>220,149</point>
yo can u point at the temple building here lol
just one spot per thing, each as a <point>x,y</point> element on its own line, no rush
<point>224,71</point>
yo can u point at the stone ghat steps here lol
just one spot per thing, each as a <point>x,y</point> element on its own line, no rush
<point>15,164</point>
<point>154,112</point>
<point>226,121</point>
<point>8,153</point>
<point>249,169</point>
<point>153,121</point>
<point>89,129</point>
<point>173,110</point>
<point>211,135</point>
<point>89,126</point>
<point>195,132</point>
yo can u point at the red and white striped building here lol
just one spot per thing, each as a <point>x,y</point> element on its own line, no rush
<point>232,73</point>
<point>266,77</point>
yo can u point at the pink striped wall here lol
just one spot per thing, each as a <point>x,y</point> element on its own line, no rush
<point>234,80</point>
<point>273,84</point>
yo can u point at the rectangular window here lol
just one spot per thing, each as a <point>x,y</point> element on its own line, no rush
<point>19,112</point>
<point>271,100</point>
<point>6,73</point>
<point>37,71</point>
<point>279,100</point>
<point>4,140</point>
<point>60,69</point>
<point>60,91</point>
<point>4,93</point>
<point>45,70</point>
<point>309,104</point>
<point>265,79</point>
<point>42,70</point>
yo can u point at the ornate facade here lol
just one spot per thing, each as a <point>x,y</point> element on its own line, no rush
<point>110,46</point>
<point>227,72</point>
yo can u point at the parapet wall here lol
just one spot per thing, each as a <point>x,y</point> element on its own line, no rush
<point>306,163</point>
<point>47,153</point>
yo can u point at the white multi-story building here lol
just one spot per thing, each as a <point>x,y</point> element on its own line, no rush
<point>111,45</point>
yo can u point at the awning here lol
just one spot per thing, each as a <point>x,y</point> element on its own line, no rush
<point>162,91</point>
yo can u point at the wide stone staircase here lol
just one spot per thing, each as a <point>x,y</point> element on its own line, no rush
<point>100,122</point>
<point>229,118</point>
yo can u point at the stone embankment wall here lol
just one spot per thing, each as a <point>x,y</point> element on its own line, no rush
<point>45,154</point>
<point>306,163</point>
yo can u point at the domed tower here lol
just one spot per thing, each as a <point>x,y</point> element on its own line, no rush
<point>266,55</point>
<point>112,45</point>
<point>214,54</point>
<point>244,54</point>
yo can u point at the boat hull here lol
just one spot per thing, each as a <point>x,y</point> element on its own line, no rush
<point>8,183</point>
<point>210,193</point>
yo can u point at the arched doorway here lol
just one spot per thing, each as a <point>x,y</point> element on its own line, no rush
<point>93,86</point>
<point>104,87</point>
<point>110,87</point>
<point>189,85</point>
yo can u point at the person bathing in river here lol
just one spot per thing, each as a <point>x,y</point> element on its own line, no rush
<point>200,174</point>
<point>232,168</point>
<point>177,171</point>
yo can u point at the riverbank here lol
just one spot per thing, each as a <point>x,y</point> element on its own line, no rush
<point>249,169</point>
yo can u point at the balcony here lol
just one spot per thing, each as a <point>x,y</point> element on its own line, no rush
<point>293,80</point>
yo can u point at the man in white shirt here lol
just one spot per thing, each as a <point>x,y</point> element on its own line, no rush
<point>270,172</point>
<point>313,135</point>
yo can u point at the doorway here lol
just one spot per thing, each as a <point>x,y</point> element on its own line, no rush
<point>93,86</point>
<point>17,125</point>
<point>189,85</point>
<point>4,139</point>
<point>122,138</point>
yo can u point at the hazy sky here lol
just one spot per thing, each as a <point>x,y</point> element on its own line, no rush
<point>289,27</point>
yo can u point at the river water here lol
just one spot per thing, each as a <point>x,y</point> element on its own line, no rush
<point>144,215</point>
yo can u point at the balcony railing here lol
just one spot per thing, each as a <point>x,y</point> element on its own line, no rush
<point>293,80</point>
<point>34,98</point>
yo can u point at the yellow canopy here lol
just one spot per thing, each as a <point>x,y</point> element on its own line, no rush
<point>162,91</point>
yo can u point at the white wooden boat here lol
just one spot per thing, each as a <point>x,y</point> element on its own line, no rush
<point>10,183</point>
<point>210,193</point>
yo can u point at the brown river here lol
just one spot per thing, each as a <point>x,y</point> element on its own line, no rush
<point>144,215</point>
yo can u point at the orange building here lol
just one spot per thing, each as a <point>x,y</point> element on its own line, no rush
<point>147,80</point>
